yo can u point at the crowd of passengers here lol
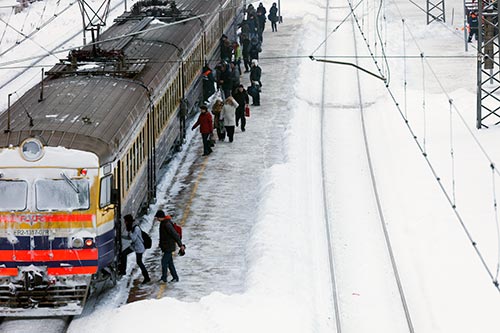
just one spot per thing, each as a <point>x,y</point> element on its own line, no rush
<point>231,105</point>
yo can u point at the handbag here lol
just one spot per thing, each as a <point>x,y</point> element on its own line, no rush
<point>247,111</point>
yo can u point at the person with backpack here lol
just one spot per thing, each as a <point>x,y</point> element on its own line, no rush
<point>134,234</point>
<point>168,238</point>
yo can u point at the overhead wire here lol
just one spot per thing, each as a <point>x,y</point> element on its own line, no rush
<point>405,82</point>
<point>31,34</point>
<point>38,44</point>
<point>192,18</point>
<point>42,14</point>
<point>334,29</point>
<point>430,164</point>
<point>423,103</point>
<point>24,23</point>
<point>452,154</point>
<point>495,208</point>
<point>6,26</point>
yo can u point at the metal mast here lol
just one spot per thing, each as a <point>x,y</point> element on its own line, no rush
<point>488,65</point>
<point>435,11</point>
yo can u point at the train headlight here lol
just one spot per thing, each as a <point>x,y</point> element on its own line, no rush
<point>89,242</point>
<point>77,243</point>
<point>32,149</point>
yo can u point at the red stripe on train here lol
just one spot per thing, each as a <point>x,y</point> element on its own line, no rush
<point>48,255</point>
<point>46,218</point>
<point>8,271</point>
<point>72,270</point>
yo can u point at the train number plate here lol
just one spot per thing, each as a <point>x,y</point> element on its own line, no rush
<point>31,232</point>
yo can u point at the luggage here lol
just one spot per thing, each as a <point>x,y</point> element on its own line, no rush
<point>247,111</point>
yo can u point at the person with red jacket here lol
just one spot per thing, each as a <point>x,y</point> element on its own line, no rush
<point>206,128</point>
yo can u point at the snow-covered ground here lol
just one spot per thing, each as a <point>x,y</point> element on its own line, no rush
<point>257,257</point>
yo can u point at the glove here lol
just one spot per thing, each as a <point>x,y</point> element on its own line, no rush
<point>182,250</point>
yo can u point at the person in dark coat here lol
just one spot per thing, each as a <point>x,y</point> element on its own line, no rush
<point>254,89</point>
<point>224,80</point>
<point>245,44</point>
<point>273,17</point>
<point>208,82</point>
<point>134,234</point>
<point>241,97</point>
<point>473,25</point>
<point>218,122</point>
<point>253,26</point>
<point>255,48</point>
<point>261,18</point>
<point>225,48</point>
<point>206,128</point>
<point>168,238</point>
<point>235,77</point>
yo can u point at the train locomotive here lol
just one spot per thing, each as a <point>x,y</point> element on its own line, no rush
<point>85,146</point>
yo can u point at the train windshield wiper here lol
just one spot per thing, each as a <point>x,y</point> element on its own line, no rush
<point>70,182</point>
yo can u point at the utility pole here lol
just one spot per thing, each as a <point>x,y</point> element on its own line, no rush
<point>488,66</point>
<point>435,11</point>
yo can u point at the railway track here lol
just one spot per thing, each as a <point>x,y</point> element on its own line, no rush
<point>367,291</point>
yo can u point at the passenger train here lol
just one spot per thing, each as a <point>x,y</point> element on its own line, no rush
<point>84,147</point>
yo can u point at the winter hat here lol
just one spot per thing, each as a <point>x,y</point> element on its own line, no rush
<point>255,62</point>
<point>128,218</point>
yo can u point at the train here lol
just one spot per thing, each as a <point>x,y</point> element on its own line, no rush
<point>84,147</point>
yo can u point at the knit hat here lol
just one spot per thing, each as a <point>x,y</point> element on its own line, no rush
<point>161,214</point>
<point>128,218</point>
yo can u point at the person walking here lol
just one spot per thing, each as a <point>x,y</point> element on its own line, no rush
<point>241,97</point>
<point>255,48</point>
<point>254,89</point>
<point>245,45</point>
<point>206,128</point>
<point>218,121</point>
<point>134,234</point>
<point>261,18</point>
<point>229,115</point>
<point>273,17</point>
<point>168,238</point>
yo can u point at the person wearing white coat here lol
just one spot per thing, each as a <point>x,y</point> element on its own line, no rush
<point>229,115</point>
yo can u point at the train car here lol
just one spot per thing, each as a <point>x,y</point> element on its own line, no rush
<point>85,146</point>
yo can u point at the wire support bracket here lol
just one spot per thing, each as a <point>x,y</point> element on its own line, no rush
<point>349,64</point>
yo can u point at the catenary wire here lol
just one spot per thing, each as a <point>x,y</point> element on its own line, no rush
<point>430,165</point>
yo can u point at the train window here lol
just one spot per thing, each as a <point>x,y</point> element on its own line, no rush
<point>105,195</point>
<point>62,194</point>
<point>13,195</point>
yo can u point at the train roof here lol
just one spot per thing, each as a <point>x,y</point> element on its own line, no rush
<point>86,112</point>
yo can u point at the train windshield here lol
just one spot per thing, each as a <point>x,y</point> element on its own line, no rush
<point>13,195</point>
<point>62,194</point>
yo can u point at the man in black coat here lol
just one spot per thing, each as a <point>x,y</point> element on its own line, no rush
<point>254,89</point>
<point>473,25</point>
<point>208,82</point>
<point>245,51</point>
<point>241,97</point>
<point>168,238</point>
